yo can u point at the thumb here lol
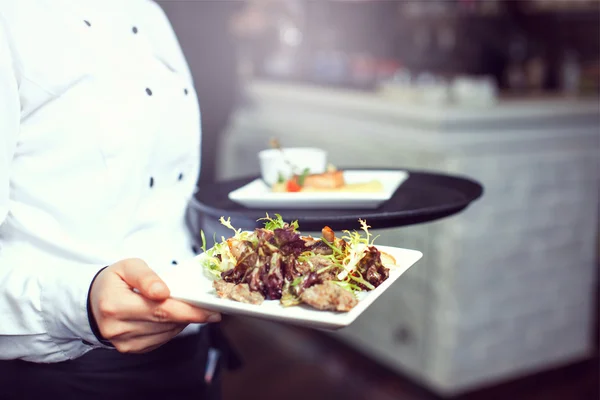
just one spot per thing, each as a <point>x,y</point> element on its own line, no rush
<point>137,274</point>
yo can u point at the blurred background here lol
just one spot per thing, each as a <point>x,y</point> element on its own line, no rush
<point>504,304</point>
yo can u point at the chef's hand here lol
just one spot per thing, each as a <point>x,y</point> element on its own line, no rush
<point>139,322</point>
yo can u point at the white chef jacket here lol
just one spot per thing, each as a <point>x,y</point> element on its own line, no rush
<point>99,155</point>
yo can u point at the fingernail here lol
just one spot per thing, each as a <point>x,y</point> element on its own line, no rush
<point>156,288</point>
<point>214,318</point>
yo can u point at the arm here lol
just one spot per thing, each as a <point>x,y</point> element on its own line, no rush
<point>43,314</point>
<point>44,304</point>
<point>44,300</point>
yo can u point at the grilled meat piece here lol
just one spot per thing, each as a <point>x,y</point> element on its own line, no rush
<point>329,296</point>
<point>318,246</point>
<point>240,292</point>
<point>320,262</point>
<point>321,248</point>
<point>223,288</point>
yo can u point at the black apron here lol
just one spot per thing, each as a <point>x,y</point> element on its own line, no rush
<point>174,371</point>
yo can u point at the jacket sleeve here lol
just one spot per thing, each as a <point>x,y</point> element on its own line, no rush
<point>43,314</point>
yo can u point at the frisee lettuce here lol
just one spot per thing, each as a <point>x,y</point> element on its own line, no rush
<point>277,223</point>
<point>335,249</point>
<point>358,245</point>
<point>203,241</point>
<point>227,223</point>
<point>289,299</point>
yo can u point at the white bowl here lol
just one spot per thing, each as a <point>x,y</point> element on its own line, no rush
<point>272,162</point>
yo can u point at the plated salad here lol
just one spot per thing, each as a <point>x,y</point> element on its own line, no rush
<point>278,263</point>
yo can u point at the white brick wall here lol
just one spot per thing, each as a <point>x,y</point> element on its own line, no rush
<point>505,287</point>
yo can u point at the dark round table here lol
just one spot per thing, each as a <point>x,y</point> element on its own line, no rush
<point>423,197</point>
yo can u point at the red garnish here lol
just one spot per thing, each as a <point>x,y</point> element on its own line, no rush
<point>293,186</point>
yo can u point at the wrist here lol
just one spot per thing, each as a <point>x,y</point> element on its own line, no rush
<point>92,319</point>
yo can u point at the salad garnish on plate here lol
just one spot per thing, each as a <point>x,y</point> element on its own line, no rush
<point>277,262</point>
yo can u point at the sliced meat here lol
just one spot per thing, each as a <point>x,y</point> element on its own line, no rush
<point>321,247</point>
<point>327,180</point>
<point>329,296</point>
<point>320,262</point>
<point>314,263</point>
<point>240,292</point>
<point>223,288</point>
<point>329,275</point>
<point>243,294</point>
<point>316,245</point>
<point>310,241</point>
<point>303,268</point>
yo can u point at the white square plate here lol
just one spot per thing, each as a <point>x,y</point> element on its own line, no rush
<point>257,194</point>
<point>188,283</point>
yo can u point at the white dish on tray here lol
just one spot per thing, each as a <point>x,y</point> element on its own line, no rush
<point>257,194</point>
<point>188,282</point>
<point>273,162</point>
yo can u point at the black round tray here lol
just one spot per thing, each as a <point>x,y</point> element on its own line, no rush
<point>423,197</point>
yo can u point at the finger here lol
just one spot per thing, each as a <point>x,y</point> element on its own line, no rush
<point>172,310</point>
<point>143,344</point>
<point>173,327</point>
<point>131,306</point>
<point>127,329</point>
<point>137,274</point>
